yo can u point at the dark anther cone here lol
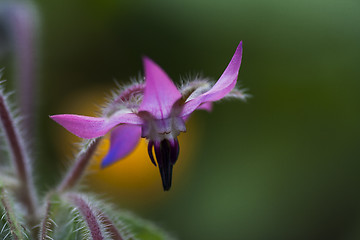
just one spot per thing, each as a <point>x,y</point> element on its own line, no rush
<point>166,153</point>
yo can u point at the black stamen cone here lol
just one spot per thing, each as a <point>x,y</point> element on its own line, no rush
<point>166,153</point>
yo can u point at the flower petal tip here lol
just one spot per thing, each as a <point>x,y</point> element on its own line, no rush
<point>106,162</point>
<point>54,117</point>
<point>222,87</point>
<point>146,59</point>
<point>81,126</point>
<point>150,65</point>
<point>160,92</point>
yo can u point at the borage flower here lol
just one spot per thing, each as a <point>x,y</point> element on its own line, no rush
<point>155,110</point>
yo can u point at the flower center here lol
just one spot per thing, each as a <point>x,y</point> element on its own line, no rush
<point>161,129</point>
<point>162,135</point>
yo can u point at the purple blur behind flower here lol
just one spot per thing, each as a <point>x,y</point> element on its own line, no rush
<point>155,110</point>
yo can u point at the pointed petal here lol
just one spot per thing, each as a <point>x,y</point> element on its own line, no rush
<point>223,86</point>
<point>160,92</point>
<point>92,127</point>
<point>207,106</point>
<point>124,139</point>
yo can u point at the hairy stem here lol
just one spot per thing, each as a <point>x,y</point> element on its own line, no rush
<point>19,157</point>
<point>115,234</point>
<point>77,171</point>
<point>88,214</point>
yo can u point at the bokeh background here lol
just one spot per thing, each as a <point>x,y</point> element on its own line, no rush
<point>284,165</point>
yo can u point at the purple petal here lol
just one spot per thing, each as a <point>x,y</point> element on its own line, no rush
<point>124,139</point>
<point>160,92</point>
<point>92,127</point>
<point>223,86</point>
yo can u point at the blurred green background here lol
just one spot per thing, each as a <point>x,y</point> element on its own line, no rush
<point>284,165</point>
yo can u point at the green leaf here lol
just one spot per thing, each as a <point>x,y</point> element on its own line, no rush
<point>142,229</point>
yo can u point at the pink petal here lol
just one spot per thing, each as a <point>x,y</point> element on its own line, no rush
<point>92,127</point>
<point>160,92</point>
<point>124,139</point>
<point>223,86</point>
<point>207,106</point>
